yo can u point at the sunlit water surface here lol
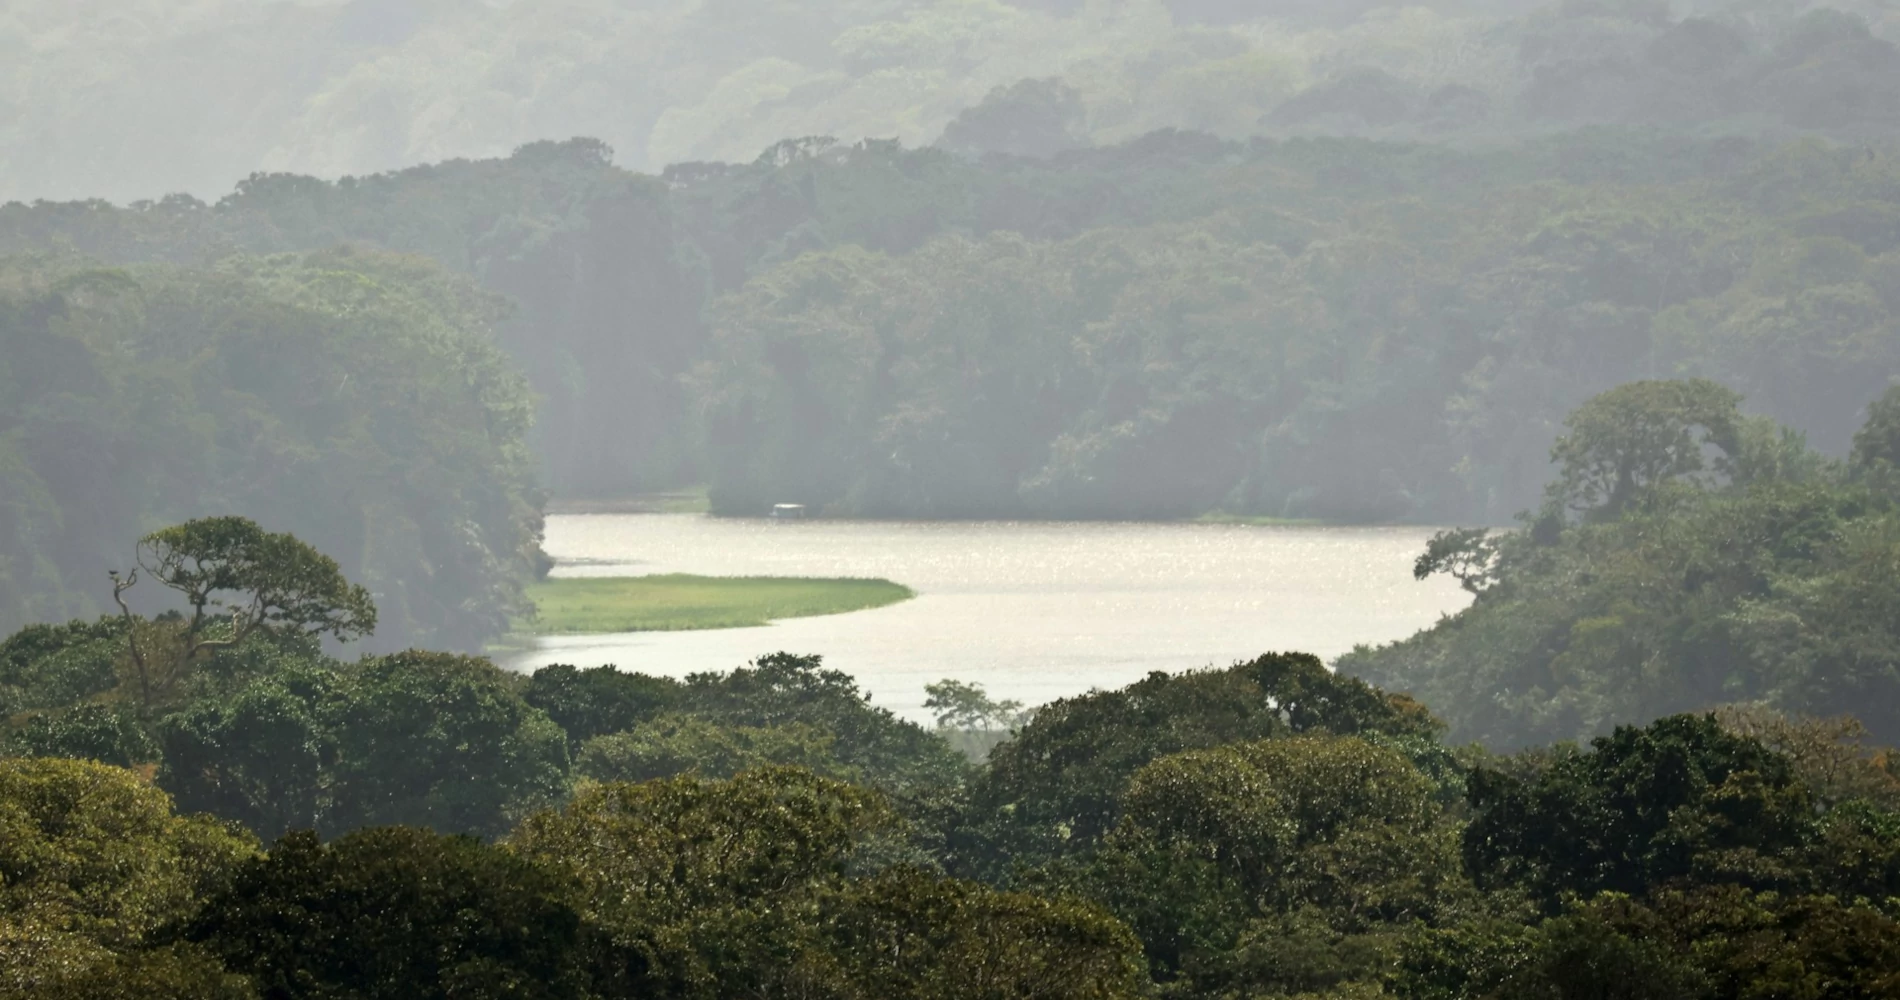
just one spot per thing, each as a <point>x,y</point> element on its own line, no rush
<point>1032,611</point>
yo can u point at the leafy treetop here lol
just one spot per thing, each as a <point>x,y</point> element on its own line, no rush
<point>230,567</point>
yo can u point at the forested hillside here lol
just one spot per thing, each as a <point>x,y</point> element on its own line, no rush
<point>133,98</point>
<point>1685,556</point>
<point>1328,328</point>
<point>1143,280</point>
<point>273,468</point>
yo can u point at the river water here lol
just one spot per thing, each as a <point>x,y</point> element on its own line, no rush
<point>1032,611</point>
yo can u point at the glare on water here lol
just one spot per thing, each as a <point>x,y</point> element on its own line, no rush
<point>1031,610</point>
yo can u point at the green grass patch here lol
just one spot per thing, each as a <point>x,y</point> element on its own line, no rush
<point>676,602</point>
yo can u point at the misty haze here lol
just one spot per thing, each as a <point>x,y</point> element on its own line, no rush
<point>943,499</point>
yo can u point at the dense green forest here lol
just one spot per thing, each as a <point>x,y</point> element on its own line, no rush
<point>1332,328</point>
<point>1686,555</point>
<point>1311,328</point>
<point>203,804</point>
<point>272,467</point>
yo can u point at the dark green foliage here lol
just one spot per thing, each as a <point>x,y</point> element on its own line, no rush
<point>1682,799</point>
<point>1056,788</point>
<point>422,739</point>
<point>440,741</point>
<point>243,717</point>
<point>1682,860</point>
<point>179,972</point>
<point>1877,443</point>
<point>1470,959</point>
<point>1717,943</point>
<point>104,733</point>
<point>264,754</point>
<point>397,913</point>
<point>897,756</point>
<point>240,582</point>
<point>1280,866</point>
<point>782,709</point>
<point>1855,852</point>
<point>794,703</point>
<point>49,666</point>
<point>910,933</point>
<point>599,700</point>
<point>1467,555</point>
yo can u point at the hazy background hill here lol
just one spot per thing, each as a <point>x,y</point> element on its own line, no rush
<point>126,99</point>
<point>1099,260</point>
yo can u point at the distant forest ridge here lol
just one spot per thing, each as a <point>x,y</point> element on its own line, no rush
<point>1327,327</point>
<point>1363,314</point>
<point>124,98</point>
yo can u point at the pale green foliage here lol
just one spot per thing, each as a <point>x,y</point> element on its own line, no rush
<point>909,933</point>
<point>91,861</point>
<point>1636,437</point>
<point>964,706</point>
<point>1829,756</point>
<point>1331,821</point>
<point>94,848</point>
<point>684,744</point>
<point>718,879</point>
<point>237,579</point>
<point>657,850</point>
<point>228,567</point>
<point>744,888</point>
<point>1877,443</point>
<point>666,602</point>
<point>849,363</point>
<point>970,720</point>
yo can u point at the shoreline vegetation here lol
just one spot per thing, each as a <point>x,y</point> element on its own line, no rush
<point>677,602</point>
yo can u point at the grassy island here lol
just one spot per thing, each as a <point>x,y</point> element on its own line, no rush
<point>678,602</point>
